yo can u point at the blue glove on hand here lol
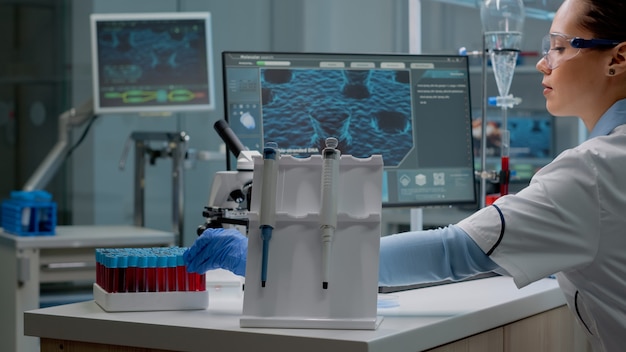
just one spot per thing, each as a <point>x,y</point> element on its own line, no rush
<point>218,249</point>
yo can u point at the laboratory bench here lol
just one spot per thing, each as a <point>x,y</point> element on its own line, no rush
<point>64,262</point>
<point>485,315</point>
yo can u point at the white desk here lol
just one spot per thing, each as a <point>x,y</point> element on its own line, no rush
<point>426,318</point>
<point>68,256</point>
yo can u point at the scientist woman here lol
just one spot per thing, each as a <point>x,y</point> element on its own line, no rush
<point>570,220</point>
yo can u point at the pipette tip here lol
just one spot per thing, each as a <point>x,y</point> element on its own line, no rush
<point>325,285</point>
<point>262,283</point>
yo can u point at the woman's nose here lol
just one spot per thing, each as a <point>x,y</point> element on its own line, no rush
<point>542,66</point>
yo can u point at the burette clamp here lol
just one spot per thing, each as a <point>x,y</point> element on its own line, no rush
<point>508,101</point>
<point>492,175</point>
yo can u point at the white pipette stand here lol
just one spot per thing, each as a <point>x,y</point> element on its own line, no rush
<point>293,296</point>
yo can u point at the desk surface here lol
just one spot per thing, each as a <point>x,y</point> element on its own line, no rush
<point>89,236</point>
<point>426,318</point>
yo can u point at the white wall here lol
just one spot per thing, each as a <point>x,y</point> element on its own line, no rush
<point>102,194</point>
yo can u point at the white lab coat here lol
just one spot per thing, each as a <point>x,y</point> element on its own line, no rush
<point>570,220</point>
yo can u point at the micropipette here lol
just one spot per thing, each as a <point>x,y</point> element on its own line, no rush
<point>328,210</point>
<point>271,156</point>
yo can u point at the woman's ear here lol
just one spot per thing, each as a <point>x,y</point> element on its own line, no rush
<point>618,60</point>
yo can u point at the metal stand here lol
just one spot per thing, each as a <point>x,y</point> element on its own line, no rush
<point>175,148</point>
<point>483,131</point>
<point>67,121</point>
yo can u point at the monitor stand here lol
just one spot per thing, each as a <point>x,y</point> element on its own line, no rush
<point>417,219</point>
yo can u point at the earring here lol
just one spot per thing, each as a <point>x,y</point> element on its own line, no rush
<point>611,71</point>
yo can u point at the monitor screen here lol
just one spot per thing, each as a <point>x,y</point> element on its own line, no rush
<point>414,110</point>
<point>160,62</point>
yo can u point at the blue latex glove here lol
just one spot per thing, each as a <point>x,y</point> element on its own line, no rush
<point>218,249</point>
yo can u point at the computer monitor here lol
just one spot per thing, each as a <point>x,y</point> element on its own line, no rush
<point>152,62</point>
<point>414,110</point>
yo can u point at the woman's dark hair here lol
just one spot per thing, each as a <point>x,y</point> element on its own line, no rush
<point>606,19</point>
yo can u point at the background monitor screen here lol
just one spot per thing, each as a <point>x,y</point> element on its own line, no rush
<point>160,62</point>
<point>531,137</point>
<point>414,110</point>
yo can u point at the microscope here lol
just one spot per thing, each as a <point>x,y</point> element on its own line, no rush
<point>229,198</point>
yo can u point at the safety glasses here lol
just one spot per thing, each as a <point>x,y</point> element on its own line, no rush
<point>558,47</point>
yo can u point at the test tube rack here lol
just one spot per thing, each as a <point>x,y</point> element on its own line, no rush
<point>147,279</point>
<point>29,213</point>
<point>293,296</point>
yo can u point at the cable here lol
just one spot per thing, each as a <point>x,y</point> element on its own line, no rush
<point>82,137</point>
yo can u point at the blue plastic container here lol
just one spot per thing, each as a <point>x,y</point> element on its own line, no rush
<point>29,213</point>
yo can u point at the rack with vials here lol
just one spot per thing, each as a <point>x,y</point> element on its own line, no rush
<point>142,279</point>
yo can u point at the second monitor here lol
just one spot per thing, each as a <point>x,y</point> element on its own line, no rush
<point>414,110</point>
